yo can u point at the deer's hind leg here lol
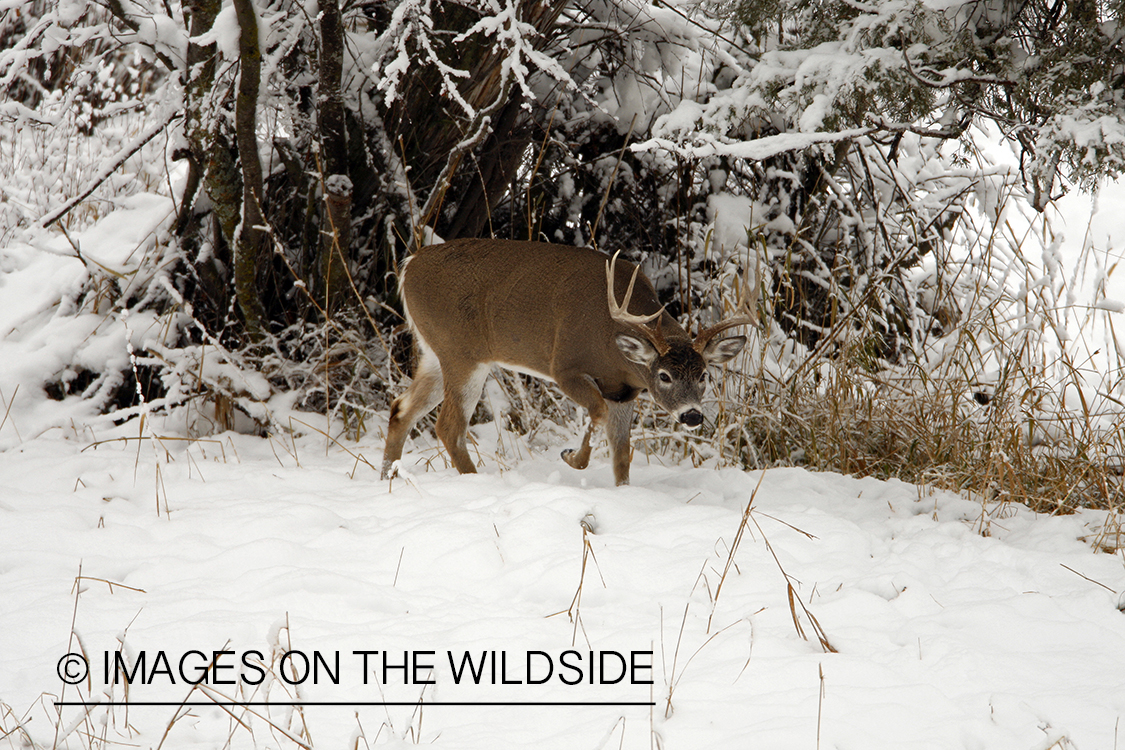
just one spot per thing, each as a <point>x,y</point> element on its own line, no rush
<point>424,393</point>
<point>462,392</point>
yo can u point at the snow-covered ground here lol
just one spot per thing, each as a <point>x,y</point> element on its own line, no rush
<point>945,623</point>
<point>945,637</point>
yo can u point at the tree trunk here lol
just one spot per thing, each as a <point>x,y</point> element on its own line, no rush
<point>497,164</point>
<point>211,167</point>
<point>336,238</point>
<point>434,138</point>
<point>197,80</point>
<point>250,238</point>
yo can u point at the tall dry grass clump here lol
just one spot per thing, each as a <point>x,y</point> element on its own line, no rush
<point>1013,394</point>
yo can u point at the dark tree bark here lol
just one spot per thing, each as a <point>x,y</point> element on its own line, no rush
<point>250,239</point>
<point>336,238</point>
<point>197,80</point>
<point>446,155</point>
<point>212,169</point>
<point>498,162</point>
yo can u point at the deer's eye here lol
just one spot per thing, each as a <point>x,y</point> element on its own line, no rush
<point>665,378</point>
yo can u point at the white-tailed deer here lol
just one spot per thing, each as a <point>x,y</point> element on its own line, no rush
<point>551,311</point>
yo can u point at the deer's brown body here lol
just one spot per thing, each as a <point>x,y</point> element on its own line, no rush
<point>545,310</point>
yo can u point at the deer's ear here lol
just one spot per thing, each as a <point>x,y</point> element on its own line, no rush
<point>718,351</point>
<point>636,350</point>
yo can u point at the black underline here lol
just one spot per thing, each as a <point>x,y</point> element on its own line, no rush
<point>298,704</point>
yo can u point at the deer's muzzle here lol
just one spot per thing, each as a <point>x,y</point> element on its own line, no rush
<point>691,418</point>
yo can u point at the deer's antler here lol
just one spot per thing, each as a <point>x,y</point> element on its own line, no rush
<point>743,313</point>
<point>621,313</point>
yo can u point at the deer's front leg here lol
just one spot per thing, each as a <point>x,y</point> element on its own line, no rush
<point>582,390</point>
<point>580,458</point>
<point>619,422</point>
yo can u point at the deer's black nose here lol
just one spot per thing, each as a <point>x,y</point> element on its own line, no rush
<point>692,418</point>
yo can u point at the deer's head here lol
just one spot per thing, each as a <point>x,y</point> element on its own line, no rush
<point>674,367</point>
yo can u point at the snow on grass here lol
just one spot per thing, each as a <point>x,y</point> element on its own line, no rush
<point>60,316</point>
<point>945,637</point>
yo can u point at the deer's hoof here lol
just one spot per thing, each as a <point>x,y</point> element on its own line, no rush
<point>574,459</point>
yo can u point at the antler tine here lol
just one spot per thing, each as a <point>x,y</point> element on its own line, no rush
<point>743,313</point>
<point>621,312</point>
